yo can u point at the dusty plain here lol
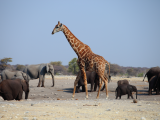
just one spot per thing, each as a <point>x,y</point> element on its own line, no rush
<point>55,103</point>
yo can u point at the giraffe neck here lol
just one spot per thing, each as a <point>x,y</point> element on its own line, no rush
<point>75,43</point>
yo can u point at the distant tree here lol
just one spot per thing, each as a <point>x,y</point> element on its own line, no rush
<point>4,63</point>
<point>115,69</point>
<point>131,72</point>
<point>58,63</point>
<point>73,67</point>
<point>20,67</point>
<point>5,60</point>
<point>59,69</point>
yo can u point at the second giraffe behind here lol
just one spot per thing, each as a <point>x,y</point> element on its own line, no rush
<point>87,60</point>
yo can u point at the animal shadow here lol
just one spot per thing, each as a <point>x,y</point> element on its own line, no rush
<point>68,90</point>
<point>142,92</point>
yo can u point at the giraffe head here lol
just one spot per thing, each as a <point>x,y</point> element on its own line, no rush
<point>58,27</point>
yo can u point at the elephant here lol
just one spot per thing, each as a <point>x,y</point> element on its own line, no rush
<point>13,89</point>
<point>6,74</point>
<point>120,82</point>
<point>92,77</point>
<point>158,84</point>
<point>154,83</point>
<point>39,71</point>
<point>0,75</point>
<point>152,72</point>
<point>125,89</point>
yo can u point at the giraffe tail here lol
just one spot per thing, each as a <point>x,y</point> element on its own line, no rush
<point>109,69</point>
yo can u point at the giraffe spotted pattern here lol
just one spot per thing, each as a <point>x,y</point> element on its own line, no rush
<point>87,60</point>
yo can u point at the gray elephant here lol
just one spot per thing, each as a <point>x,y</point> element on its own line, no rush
<point>125,89</point>
<point>39,71</point>
<point>158,84</point>
<point>154,83</point>
<point>92,78</point>
<point>13,89</point>
<point>0,75</point>
<point>121,82</point>
<point>152,72</point>
<point>6,74</point>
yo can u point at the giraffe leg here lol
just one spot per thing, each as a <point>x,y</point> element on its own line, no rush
<point>100,84</point>
<point>75,83</point>
<point>83,73</point>
<point>106,84</point>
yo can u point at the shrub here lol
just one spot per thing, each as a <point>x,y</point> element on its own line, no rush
<point>140,75</point>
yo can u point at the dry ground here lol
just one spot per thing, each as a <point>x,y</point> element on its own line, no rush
<point>52,103</point>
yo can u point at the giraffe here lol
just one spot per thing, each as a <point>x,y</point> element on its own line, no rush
<point>87,60</point>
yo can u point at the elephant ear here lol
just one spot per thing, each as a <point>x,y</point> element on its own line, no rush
<point>24,75</point>
<point>129,87</point>
<point>47,67</point>
<point>24,85</point>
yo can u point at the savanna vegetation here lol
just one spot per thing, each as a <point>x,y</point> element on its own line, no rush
<point>72,68</point>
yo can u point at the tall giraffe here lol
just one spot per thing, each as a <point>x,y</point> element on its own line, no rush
<point>87,60</point>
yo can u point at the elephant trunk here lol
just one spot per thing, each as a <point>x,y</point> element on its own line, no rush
<point>144,76</point>
<point>26,95</point>
<point>52,79</point>
<point>136,94</point>
<point>116,92</point>
<point>28,78</point>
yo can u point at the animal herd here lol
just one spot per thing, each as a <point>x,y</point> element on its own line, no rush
<point>87,61</point>
<point>14,83</point>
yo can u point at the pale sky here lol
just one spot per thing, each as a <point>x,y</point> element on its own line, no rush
<point>124,32</point>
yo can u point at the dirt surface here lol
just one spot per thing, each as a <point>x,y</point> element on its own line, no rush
<point>55,103</point>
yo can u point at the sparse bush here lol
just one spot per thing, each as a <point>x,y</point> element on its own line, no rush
<point>59,69</point>
<point>58,63</point>
<point>140,75</point>
<point>20,67</point>
<point>4,64</point>
<point>73,67</point>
